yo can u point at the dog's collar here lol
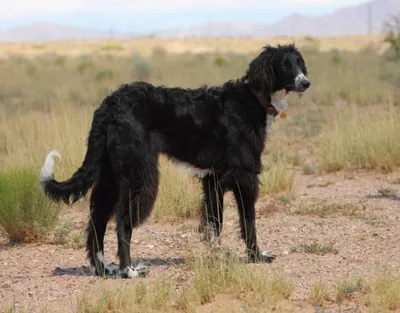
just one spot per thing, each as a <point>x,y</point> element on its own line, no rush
<point>265,102</point>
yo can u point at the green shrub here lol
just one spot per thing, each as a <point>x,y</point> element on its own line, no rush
<point>26,215</point>
<point>112,47</point>
<point>85,65</point>
<point>141,68</point>
<point>104,74</point>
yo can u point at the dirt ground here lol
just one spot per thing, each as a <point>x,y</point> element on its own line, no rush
<point>35,276</point>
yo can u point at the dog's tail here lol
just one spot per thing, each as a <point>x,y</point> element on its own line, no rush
<point>76,187</point>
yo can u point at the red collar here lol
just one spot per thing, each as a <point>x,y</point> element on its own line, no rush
<point>265,102</point>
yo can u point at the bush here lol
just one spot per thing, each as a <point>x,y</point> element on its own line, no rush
<point>392,30</point>
<point>104,75</point>
<point>141,69</point>
<point>26,215</point>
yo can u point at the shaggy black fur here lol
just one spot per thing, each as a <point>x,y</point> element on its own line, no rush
<point>221,129</point>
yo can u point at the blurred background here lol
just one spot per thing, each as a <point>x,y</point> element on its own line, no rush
<point>24,20</point>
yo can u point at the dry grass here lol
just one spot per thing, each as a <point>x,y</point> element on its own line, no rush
<point>26,215</point>
<point>213,276</point>
<point>179,194</point>
<point>322,208</point>
<point>223,45</point>
<point>346,288</point>
<point>319,294</point>
<point>382,294</point>
<point>227,275</point>
<point>363,138</point>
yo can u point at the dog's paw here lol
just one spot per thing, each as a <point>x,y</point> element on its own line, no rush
<point>132,272</point>
<point>109,270</point>
<point>268,256</point>
<point>265,257</point>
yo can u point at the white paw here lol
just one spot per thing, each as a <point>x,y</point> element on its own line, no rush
<point>132,272</point>
<point>269,256</point>
<point>110,269</point>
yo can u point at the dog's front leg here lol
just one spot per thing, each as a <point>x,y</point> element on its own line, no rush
<point>246,192</point>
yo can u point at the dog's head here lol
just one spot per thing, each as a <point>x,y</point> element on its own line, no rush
<point>278,68</point>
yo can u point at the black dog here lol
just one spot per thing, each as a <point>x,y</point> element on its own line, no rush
<point>218,131</point>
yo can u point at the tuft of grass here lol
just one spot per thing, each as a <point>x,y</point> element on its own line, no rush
<point>120,299</point>
<point>78,241</point>
<point>60,236</point>
<point>322,209</point>
<point>106,74</point>
<point>363,138</point>
<point>382,294</point>
<point>276,178</point>
<point>26,215</point>
<point>346,288</point>
<point>278,174</point>
<point>315,248</point>
<point>385,191</point>
<point>227,275</point>
<point>319,294</point>
<point>179,194</point>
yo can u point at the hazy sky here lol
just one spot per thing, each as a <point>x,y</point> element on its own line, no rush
<point>148,15</point>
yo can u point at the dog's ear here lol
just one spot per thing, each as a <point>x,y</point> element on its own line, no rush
<point>260,74</point>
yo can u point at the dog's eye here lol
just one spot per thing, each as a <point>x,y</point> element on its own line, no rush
<point>299,61</point>
<point>287,65</point>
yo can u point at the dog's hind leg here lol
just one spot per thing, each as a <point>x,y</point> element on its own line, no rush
<point>103,199</point>
<point>136,166</point>
<point>212,209</point>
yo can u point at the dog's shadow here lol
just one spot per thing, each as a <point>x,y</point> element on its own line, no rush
<point>390,197</point>
<point>86,271</point>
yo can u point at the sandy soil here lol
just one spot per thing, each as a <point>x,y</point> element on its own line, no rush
<point>35,276</point>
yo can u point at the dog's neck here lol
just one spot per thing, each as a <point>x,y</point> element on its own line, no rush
<point>265,102</point>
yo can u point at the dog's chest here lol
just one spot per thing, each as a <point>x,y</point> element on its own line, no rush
<point>190,169</point>
<point>279,100</point>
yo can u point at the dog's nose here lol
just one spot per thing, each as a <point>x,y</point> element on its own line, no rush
<point>305,84</point>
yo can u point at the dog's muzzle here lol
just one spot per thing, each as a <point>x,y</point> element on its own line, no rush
<point>301,83</point>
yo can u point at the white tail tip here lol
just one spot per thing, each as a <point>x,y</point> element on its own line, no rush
<point>47,169</point>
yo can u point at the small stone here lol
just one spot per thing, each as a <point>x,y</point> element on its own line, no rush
<point>5,286</point>
<point>30,294</point>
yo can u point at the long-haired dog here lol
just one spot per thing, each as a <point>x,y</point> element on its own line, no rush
<point>218,131</point>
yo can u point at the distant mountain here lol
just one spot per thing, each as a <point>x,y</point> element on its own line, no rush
<point>349,20</point>
<point>44,32</point>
